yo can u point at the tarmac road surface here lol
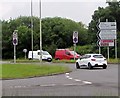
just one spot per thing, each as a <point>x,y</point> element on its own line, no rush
<point>79,82</point>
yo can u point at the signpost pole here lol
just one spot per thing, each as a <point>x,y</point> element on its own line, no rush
<point>108,52</point>
<point>75,40</point>
<point>116,43</point>
<point>14,54</point>
<point>99,50</point>
<point>115,49</point>
<point>15,42</point>
<point>74,50</point>
<point>99,45</point>
<point>108,46</point>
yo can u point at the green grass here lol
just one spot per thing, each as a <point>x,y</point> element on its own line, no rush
<point>30,70</point>
<point>37,61</point>
<point>113,61</point>
<point>63,61</point>
<point>56,61</point>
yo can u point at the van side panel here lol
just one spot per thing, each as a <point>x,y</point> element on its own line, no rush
<point>63,54</point>
<point>59,54</point>
<point>68,55</point>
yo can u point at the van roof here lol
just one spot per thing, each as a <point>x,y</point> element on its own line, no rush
<point>62,49</point>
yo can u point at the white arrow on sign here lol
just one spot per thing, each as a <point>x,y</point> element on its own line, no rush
<point>107,25</point>
<point>107,34</point>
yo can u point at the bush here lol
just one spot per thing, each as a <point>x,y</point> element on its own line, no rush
<point>84,49</point>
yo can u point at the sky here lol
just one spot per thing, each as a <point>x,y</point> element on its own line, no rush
<point>77,10</point>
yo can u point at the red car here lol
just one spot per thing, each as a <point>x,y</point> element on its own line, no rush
<point>65,54</point>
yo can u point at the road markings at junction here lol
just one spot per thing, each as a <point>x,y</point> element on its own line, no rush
<point>83,82</point>
<point>48,85</point>
<point>77,80</point>
<point>87,82</point>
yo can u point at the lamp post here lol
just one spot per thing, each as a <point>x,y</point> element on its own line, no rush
<point>40,32</point>
<point>32,29</point>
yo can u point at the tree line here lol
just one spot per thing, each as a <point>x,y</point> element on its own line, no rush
<point>57,32</point>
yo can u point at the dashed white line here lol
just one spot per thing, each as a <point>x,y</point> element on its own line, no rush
<point>67,76</point>
<point>87,82</point>
<point>48,85</point>
<point>77,80</point>
<point>70,78</point>
<point>51,85</point>
<point>67,73</point>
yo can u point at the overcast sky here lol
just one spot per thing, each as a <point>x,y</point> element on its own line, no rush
<point>77,10</point>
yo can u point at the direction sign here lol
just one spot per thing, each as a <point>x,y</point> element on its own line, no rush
<point>107,34</point>
<point>105,42</point>
<point>75,37</point>
<point>107,25</point>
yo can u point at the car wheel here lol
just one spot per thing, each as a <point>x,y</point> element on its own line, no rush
<point>104,66</point>
<point>77,65</point>
<point>90,66</point>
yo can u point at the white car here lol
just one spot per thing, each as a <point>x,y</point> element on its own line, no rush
<point>91,60</point>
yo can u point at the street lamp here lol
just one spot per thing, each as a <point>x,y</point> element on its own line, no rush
<point>32,29</point>
<point>40,32</point>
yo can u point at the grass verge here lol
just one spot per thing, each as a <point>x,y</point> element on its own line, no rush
<point>114,61</point>
<point>30,70</point>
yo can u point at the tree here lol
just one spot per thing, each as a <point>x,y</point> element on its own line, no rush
<point>111,12</point>
<point>56,33</point>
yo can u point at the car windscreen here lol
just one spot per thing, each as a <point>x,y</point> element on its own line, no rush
<point>98,56</point>
<point>85,57</point>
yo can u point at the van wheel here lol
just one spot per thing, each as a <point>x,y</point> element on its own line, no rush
<point>77,65</point>
<point>49,60</point>
<point>90,66</point>
<point>57,59</point>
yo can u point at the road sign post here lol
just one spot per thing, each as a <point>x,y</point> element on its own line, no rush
<point>107,35</point>
<point>15,42</point>
<point>75,40</point>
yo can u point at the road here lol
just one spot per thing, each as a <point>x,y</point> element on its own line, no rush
<point>79,82</point>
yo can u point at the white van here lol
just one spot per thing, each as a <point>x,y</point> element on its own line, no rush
<point>36,55</point>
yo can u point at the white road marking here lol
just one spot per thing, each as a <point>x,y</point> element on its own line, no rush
<point>87,82</point>
<point>70,78</point>
<point>67,73</point>
<point>77,80</point>
<point>68,84</point>
<point>51,85</point>
<point>48,85</point>
<point>67,76</point>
